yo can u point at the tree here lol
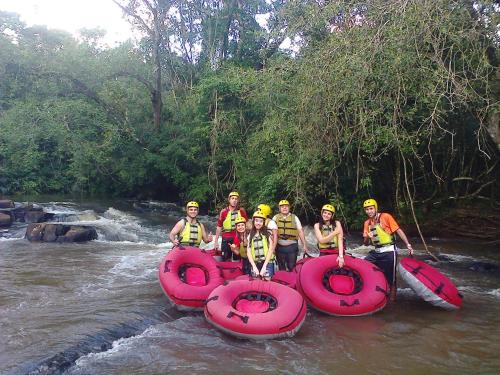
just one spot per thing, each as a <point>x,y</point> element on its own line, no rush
<point>149,16</point>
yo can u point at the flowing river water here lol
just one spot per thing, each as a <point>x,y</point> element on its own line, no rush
<point>97,308</point>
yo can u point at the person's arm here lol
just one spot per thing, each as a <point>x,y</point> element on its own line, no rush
<point>175,231</point>
<point>366,234</point>
<point>275,239</point>
<point>270,253</point>
<point>206,238</point>
<point>340,243</point>
<point>250,258</point>
<point>216,239</point>
<point>402,235</point>
<point>218,230</point>
<point>302,237</point>
<point>235,246</point>
<point>273,228</point>
<point>325,239</point>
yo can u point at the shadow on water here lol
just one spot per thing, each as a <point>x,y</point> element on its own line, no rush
<point>99,342</point>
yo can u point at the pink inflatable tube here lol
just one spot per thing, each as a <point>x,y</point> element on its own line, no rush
<point>285,278</point>
<point>430,284</point>
<point>359,288</point>
<point>188,275</point>
<point>230,270</point>
<point>256,309</point>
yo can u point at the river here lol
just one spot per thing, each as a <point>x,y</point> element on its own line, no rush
<point>97,308</point>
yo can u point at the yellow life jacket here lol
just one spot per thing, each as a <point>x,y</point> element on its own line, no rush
<point>243,250</point>
<point>325,231</point>
<point>380,236</point>
<point>287,230</point>
<point>228,224</point>
<point>259,248</point>
<point>191,235</point>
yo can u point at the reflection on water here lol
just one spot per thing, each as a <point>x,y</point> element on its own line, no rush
<point>101,305</point>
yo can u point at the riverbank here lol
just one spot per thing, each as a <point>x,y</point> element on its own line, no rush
<point>474,221</point>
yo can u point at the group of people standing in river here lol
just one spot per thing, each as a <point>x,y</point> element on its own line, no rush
<point>259,241</point>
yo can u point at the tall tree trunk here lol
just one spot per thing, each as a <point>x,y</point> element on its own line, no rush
<point>156,95</point>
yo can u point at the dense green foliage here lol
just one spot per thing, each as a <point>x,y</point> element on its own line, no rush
<point>392,99</point>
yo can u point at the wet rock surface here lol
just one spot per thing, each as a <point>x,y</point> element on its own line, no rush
<point>44,232</point>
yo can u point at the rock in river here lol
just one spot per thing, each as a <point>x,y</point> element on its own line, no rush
<point>60,233</point>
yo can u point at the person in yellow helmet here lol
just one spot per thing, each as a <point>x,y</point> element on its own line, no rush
<point>240,242</point>
<point>227,227</point>
<point>329,234</point>
<point>289,232</point>
<point>260,248</point>
<point>189,231</point>
<point>271,225</point>
<point>379,230</point>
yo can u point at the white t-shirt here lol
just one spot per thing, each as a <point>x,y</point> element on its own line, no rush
<point>272,225</point>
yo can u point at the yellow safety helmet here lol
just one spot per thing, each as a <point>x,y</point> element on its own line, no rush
<point>328,207</point>
<point>192,204</point>
<point>264,208</point>
<point>370,202</point>
<point>283,202</point>
<point>233,194</point>
<point>258,214</point>
<point>239,219</point>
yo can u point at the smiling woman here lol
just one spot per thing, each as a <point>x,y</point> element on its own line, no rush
<point>73,15</point>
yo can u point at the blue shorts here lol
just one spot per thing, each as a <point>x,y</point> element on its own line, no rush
<point>270,268</point>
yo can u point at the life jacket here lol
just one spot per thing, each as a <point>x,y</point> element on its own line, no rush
<point>380,236</point>
<point>191,235</point>
<point>243,250</point>
<point>259,248</point>
<point>228,223</point>
<point>287,230</point>
<point>325,231</point>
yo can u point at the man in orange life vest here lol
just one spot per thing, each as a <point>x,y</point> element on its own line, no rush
<point>227,227</point>
<point>379,229</point>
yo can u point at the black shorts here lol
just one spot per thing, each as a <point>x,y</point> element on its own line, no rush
<point>227,253</point>
<point>286,256</point>
<point>386,261</point>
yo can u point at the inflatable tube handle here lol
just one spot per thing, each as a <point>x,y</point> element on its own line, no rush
<point>244,319</point>
<point>344,303</point>
<point>439,289</point>
<point>166,268</point>
<point>379,289</point>
<point>214,298</point>
<point>416,270</point>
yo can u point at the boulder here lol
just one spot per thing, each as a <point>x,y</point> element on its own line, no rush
<point>37,216</point>
<point>5,203</point>
<point>50,232</point>
<point>483,267</point>
<point>78,233</point>
<point>5,220</point>
<point>34,232</point>
<point>60,233</point>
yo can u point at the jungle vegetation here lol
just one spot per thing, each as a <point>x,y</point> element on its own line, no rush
<point>315,101</point>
